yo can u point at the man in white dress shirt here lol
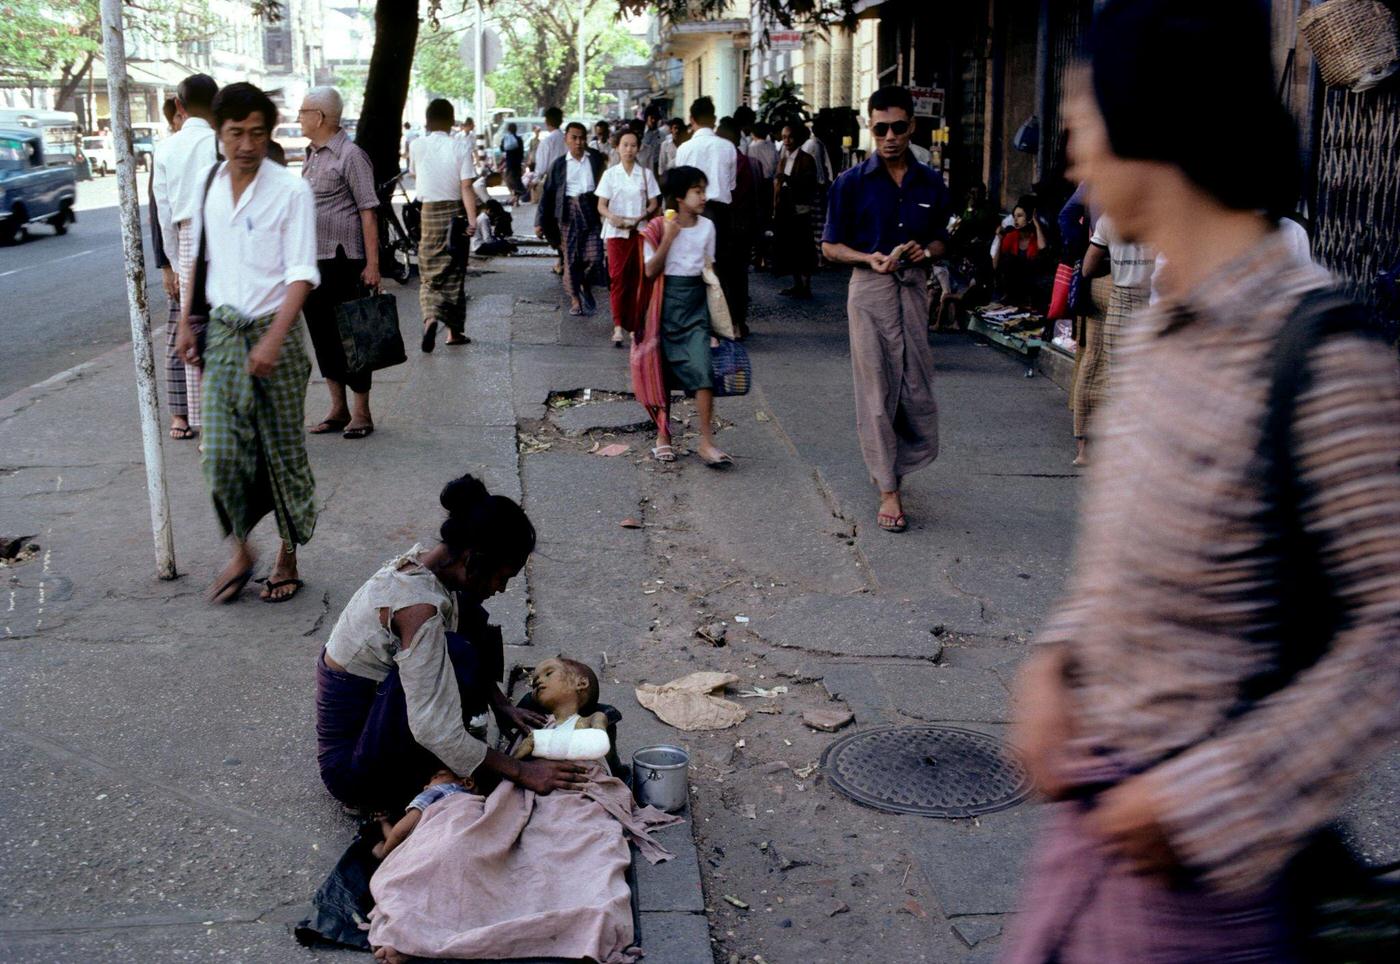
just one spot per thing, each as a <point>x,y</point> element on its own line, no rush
<point>258,225</point>
<point>181,163</point>
<point>444,171</point>
<point>551,144</point>
<point>719,159</point>
<point>568,216</point>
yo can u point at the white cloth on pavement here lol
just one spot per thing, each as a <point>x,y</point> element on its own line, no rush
<point>261,244</point>
<point>440,163</point>
<point>717,158</point>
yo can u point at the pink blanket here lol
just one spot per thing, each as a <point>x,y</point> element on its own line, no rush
<point>518,875</point>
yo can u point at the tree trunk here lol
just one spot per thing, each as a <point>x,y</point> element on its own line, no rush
<point>69,80</point>
<point>386,86</point>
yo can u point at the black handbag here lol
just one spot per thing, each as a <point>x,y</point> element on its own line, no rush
<point>369,332</point>
<point>459,238</point>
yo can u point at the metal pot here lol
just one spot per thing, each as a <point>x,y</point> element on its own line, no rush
<point>659,777</point>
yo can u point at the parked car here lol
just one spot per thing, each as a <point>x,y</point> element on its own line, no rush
<point>144,138</point>
<point>292,141</point>
<point>101,155</point>
<point>32,190</point>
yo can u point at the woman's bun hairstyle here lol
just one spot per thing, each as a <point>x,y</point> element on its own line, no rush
<point>492,529</point>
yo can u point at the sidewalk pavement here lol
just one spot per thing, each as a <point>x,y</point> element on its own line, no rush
<point>159,753</point>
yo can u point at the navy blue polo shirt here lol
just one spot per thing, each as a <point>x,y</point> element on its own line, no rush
<point>870,213</point>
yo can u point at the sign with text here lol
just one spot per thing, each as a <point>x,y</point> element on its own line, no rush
<point>786,40</point>
<point>928,101</point>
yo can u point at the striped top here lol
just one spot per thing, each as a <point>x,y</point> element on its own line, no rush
<point>342,178</point>
<point>1169,609</point>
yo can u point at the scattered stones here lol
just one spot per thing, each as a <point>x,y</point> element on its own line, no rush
<point>827,720</point>
<point>840,907</point>
<point>713,633</point>
<point>728,899</point>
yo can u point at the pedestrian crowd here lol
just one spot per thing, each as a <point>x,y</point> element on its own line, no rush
<point>1237,574</point>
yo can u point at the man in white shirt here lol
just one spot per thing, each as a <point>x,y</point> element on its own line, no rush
<point>551,145</point>
<point>258,225</point>
<point>568,216</point>
<point>719,160</point>
<point>444,172</point>
<point>181,165</point>
<point>764,153</point>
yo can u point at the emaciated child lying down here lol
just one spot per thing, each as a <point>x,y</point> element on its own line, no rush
<point>515,873</point>
<point>568,691</point>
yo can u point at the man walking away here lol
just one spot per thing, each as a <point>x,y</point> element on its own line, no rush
<point>653,136</point>
<point>719,160</point>
<point>176,392</point>
<point>347,251</point>
<point>514,150</point>
<point>676,135</point>
<point>763,152</point>
<point>551,145</point>
<point>258,222</point>
<point>1224,664</point>
<point>443,171</point>
<point>569,211</point>
<point>182,162</point>
<point>889,217</point>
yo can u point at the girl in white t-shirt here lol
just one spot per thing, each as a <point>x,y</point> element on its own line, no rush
<point>677,333</point>
<point>627,195</point>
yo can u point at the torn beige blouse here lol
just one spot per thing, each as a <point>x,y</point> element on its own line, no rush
<point>365,647</point>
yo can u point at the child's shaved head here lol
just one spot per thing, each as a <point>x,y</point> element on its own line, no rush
<point>583,671</point>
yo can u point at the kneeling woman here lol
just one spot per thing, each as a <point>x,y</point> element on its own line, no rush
<point>395,688</point>
<point>676,337</point>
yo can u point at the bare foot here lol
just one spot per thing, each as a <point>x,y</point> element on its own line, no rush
<point>389,956</point>
<point>234,577</point>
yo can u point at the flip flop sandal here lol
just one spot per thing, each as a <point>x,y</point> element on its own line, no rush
<point>329,426</point>
<point>664,453</point>
<point>723,462</point>
<point>429,336</point>
<point>617,340</point>
<point>232,589</point>
<point>270,587</point>
<point>359,431</point>
<point>577,312</point>
<point>892,523</point>
<point>181,434</point>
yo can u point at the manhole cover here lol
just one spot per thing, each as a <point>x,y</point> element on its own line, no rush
<point>934,771</point>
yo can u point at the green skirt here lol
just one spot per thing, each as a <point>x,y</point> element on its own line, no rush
<point>685,334</point>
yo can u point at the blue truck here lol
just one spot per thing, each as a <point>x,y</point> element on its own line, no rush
<point>31,189</point>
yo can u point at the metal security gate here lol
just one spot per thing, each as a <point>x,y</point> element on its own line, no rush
<point>1357,207</point>
<point>1069,22</point>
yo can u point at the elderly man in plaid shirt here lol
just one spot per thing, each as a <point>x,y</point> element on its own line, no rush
<point>347,251</point>
<point>257,222</point>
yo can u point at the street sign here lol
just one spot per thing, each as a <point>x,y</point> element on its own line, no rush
<point>490,50</point>
<point>786,40</point>
<point>928,101</point>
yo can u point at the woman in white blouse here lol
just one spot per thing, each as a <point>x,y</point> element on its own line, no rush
<point>627,195</point>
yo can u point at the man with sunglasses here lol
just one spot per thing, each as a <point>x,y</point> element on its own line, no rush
<point>888,218</point>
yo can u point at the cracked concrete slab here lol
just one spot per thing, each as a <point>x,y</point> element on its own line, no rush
<point>614,416</point>
<point>975,866</point>
<point>857,625</point>
<point>931,693</point>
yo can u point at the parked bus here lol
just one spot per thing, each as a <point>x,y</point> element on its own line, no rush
<point>59,132</point>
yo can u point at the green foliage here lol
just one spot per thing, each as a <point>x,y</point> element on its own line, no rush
<point>540,65</point>
<point>783,12</point>
<point>437,63</point>
<point>37,36</point>
<point>782,103</point>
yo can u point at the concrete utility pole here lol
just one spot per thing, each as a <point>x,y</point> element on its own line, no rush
<point>114,49</point>
<point>582,57</point>
<point>481,124</point>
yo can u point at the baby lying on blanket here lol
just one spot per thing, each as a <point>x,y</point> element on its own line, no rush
<point>564,688</point>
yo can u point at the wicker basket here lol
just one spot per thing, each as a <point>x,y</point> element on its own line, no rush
<point>1356,42</point>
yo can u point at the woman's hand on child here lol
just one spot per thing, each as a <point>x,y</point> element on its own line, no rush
<point>519,718</point>
<point>546,776</point>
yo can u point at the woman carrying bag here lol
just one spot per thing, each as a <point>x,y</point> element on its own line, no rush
<point>627,195</point>
<point>673,349</point>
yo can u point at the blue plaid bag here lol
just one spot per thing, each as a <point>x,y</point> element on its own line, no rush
<point>730,368</point>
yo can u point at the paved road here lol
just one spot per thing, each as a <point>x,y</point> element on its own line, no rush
<point>62,299</point>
